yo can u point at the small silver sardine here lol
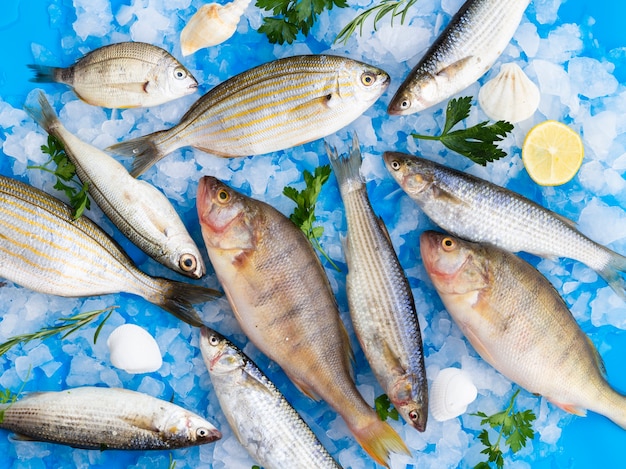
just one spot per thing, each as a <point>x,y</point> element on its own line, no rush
<point>265,424</point>
<point>44,249</point>
<point>140,211</point>
<point>106,418</point>
<point>471,43</point>
<point>277,105</point>
<point>123,75</point>
<point>381,303</point>
<point>479,211</point>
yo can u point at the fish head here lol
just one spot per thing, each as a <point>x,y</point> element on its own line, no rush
<point>219,354</point>
<point>370,82</point>
<point>170,78</point>
<point>418,94</point>
<point>410,403</point>
<point>413,174</point>
<point>190,262</point>
<point>183,428</point>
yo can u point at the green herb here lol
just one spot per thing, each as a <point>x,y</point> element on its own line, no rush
<point>256,467</point>
<point>514,426</point>
<point>385,409</point>
<point>172,464</point>
<point>7,397</point>
<point>395,7</point>
<point>304,213</point>
<point>292,16</point>
<point>67,325</point>
<point>65,172</point>
<point>477,142</point>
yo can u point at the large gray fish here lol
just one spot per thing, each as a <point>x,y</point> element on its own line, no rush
<point>477,210</point>
<point>471,43</point>
<point>277,105</point>
<point>141,212</point>
<point>106,418</point>
<point>380,298</point>
<point>265,424</point>
<point>44,249</point>
<point>123,75</point>
<point>518,323</point>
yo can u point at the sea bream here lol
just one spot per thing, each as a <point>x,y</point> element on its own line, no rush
<point>265,424</point>
<point>381,303</point>
<point>276,105</point>
<point>477,210</point>
<point>123,75</point>
<point>283,301</point>
<point>466,49</point>
<point>518,323</point>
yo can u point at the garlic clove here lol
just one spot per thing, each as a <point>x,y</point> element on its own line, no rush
<point>452,391</point>
<point>134,350</point>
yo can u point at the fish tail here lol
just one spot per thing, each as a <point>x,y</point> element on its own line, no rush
<point>346,168</point>
<point>378,439</point>
<point>178,298</point>
<point>145,150</point>
<point>612,273</point>
<point>43,73</point>
<point>45,116</point>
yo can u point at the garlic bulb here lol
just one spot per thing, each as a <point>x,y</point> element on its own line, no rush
<point>451,393</point>
<point>510,95</point>
<point>134,350</point>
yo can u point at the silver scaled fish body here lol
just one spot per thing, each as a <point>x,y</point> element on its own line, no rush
<point>277,105</point>
<point>106,418</point>
<point>477,210</point>
<point>44,249</point>
<point>381,303</point>
<point>263,421</point>
<point>467,48</point>
<point>518,323</point>
<point>283,301</point>
<point>123,75</point>
<point>141,212</point>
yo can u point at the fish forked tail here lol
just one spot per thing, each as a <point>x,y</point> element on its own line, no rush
<point>613,273</point>
<point>346,168</point>
<point>178,297</point>
<point>378,439</point>
<point>43,73</point>
<point>45,116</point>
<point>144,149</point>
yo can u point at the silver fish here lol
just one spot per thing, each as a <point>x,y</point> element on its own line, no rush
<point>381,303</point>
<point>277,105</point>
<point>141,212</point>
<point>471,43</point>
<point>477,210</point>
<point>123,75</point>
<point>106,418</point>
<point>44,249</point>
<point>265,424</point>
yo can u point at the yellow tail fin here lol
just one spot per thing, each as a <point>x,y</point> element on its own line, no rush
<point>379,439</point>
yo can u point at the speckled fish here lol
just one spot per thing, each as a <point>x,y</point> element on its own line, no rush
<point>518,323</point>
<point>44,249</point>
<point>277,105</point>
<point>141,212</point>
<point>282,299</point>
<point>106,418</point>
<point>477,210</point>
<point>380,298</point>
<point>471,43</point>
<point>265,424</point>
<point>123,75</point>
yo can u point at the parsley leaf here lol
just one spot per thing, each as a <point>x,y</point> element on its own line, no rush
<point>385,409</point>
<point>476,143</point>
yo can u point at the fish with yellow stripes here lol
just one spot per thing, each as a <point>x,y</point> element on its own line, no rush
<point>271,107</point>
<point>44,249</point>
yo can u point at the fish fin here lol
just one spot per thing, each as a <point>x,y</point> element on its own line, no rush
<point>304,388</point>
<point>178,298</point>
<point>450,71</point>
<point>384,230</point>
<point>611,273</point>
<point>22,437</point>
<point>597,357</point>
<point>446,196</point>
<point>134,87</point>
<point>570,408</point>
<point>567,221</point>
<point>379,439</point>
<point>144,149</point>
<point>478,345</point>
<point>45,116</point>
<point>347,168</point>
<point>43,73</point>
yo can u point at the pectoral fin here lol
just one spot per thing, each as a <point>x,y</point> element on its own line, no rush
<point>571,408</point>
<point>134,87</point>
<point>450,71</point>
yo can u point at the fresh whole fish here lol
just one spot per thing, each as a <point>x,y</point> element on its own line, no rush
<point>106,418</point>
<point>141,212</point>
<point>44,249</point>
<point>282,299</point>
<point>471,43</point>
<point>265,424</point>
<point>123,75</point>
<point>518,323</point>
<point>380,298</point>
<point>277,105</point>
<point>479,211</point>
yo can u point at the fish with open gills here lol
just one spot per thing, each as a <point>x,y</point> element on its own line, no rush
<point>44,249</point>
<point>479,211</point>
<point>518,323</point>
<point>283,301</point>
<point>123,75</point>
<point>265,424</point>
<point>466,49</point>
<point>381,303</point>
<point>105,418</point>
<point>141,212</point>
<point>277,105</point>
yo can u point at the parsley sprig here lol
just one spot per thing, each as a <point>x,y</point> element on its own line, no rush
<point>514,426</point>
<point>385,409</point>
<point>304,213</point>
<point>65,171</point>
<point>476,143</point>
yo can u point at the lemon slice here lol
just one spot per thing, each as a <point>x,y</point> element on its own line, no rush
<point>552,153</point>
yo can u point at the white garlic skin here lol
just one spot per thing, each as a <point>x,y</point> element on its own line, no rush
<point>452,391</point>
<point>134,350</point>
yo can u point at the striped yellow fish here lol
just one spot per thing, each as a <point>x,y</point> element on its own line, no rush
<point>277,105</point>
<point>44,249</point>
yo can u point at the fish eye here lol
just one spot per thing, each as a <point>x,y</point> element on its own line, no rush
<point>368,78</point>
<point>188,262</point>
<point>202,433</point>
<point>214,340</point>
<point>395,165</point>
<point>180,73</point>
<point>413,415</point>
<point>223,195</point>
<point>448,244</point>
<point>405,104</point>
